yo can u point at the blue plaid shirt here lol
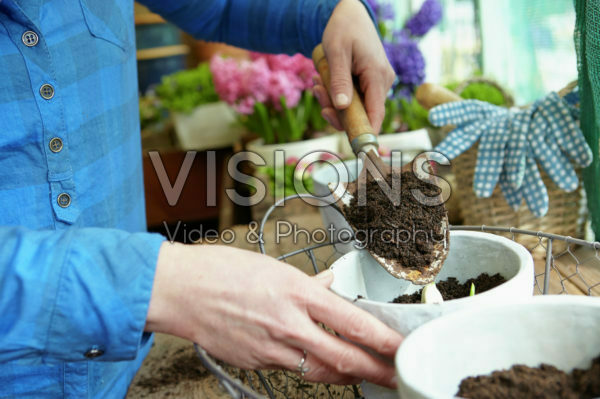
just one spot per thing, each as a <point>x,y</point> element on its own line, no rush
<point>76,265</point>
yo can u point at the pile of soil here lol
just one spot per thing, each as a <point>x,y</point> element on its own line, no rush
<point>452,289</point>
<point>184,367</point>
<point>543,382</point>
<point>406,233</point>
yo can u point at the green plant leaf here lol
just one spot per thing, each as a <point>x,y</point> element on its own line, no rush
<point>282,182</point>
<point>294,130</point>
<point>391,111</point>
<point>315,121</point>
<point>472,290</point>
<point>185,90</point>
<point>265,130</point>
<point>413,115</point>
<point>287,124</point>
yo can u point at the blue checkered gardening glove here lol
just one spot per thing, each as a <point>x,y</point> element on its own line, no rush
<point>555,137</point>
<point>551,122</point>
<point>532,190</point>
<point>468,116</point>
<point>511,142</point>
<point>483,122</point>
<point>517,147</point>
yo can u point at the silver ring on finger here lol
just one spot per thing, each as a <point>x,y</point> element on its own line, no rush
<point>301,369</point>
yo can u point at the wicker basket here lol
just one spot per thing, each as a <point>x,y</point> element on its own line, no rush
<point>565,212</point>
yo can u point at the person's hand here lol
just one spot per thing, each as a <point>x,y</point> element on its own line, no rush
<point>353,47</point>
<point>255,312</point>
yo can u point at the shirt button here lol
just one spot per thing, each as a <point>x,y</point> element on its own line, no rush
<point>56,144</point>
<point>47,91</point>
<point>64,200</point>
<point>30,38</point>
<point>93,353</point>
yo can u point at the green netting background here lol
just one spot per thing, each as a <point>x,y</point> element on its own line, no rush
<point>587,43</point>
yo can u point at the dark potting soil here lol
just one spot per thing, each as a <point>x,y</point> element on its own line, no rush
<point>452,289</point>
<point>406,233</point>
<point>184,367</point>
<point>543,382</point>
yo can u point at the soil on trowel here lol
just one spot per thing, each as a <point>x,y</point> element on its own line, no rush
<point>452,289</point>
<point>543,382</point>
<point>406,233</point>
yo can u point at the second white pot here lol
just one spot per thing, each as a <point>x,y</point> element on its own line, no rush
<point>559,330</point>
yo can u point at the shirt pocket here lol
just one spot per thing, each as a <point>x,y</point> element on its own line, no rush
<point>108,21</point>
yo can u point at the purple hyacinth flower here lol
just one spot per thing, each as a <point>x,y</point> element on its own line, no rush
<point>425,19</point>
<point>407,60</point>
<point>383,10</point>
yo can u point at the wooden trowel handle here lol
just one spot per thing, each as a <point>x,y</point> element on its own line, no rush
<point>354,119</point>
<point>429,95</point>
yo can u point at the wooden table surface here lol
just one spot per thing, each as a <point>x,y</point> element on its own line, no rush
<point>170,355</point>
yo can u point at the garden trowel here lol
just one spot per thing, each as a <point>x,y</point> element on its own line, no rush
<point>364,143</point>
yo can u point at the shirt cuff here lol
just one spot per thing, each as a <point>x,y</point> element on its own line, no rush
<point>103,296</point>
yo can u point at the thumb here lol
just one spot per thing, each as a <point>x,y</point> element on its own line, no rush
<point>340,69</point>
<point>325,278</point>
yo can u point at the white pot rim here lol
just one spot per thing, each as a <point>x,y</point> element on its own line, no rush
<point>260,141</point>
<point>525,260</point>
<point>216,104</point>
<point>412,140</point>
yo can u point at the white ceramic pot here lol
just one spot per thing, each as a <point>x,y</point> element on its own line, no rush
<point>298,149</point>
<point>411,143</point>
<point>470,254</point>
<point>557,330</point>
<point>209,126</point>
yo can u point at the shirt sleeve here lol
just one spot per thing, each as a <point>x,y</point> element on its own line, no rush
<point>274,26</point>
<point>67,292</point>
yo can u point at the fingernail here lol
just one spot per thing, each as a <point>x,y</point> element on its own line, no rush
<point>324,275</point>
<point>341,100</point>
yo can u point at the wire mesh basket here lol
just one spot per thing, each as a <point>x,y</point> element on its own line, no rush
<point>572,269</point>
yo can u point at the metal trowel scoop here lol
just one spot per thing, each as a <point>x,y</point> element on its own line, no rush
<point>364,144</point>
